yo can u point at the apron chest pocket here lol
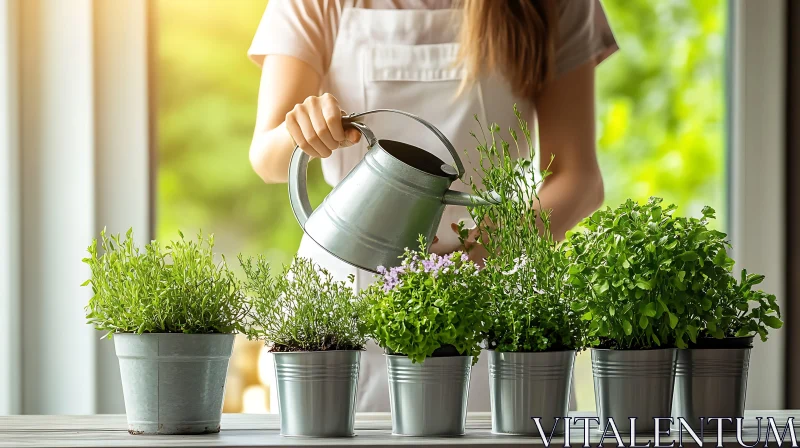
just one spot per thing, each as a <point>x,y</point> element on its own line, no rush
<point>420,63</point>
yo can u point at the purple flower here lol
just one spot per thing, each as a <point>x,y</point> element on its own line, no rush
<point>391,279</point>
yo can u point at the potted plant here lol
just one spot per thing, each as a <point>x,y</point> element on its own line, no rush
<point>428,314</point>
<point>313,324</point>
<point>638,269</point>
<point>172,312</point>
<point>533,335</point>
<point>711,375</point>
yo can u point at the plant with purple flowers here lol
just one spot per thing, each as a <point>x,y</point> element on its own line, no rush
<point>428,305</point>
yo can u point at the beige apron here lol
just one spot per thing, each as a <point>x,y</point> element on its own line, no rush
<point>404,59</point>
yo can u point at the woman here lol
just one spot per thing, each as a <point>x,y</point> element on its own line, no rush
<point>445,61</point>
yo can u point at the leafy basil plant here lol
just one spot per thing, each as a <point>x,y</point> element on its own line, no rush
<point>429,302</point>
<point>177,288</point>
<point>525,275</point>
<point>646,278</point>
<point>739,310</point>
<point>303,309</point>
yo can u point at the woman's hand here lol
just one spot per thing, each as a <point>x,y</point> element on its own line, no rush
<point>316,127</point>
<point>474,249</point>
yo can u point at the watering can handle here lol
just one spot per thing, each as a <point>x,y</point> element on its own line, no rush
<point>298,166</point>
<point>459,166</point>
<point>298,175</point>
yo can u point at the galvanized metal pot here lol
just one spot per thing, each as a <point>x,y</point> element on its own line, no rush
<point>633,383</point>
<point>711,382</point>
<point>173,383</point>
<point>526,385</point>
<point>317,392</point>
<point>429,398</point>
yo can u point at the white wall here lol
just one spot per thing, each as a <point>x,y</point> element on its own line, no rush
<point>82,121</point>
<point>10,396</point>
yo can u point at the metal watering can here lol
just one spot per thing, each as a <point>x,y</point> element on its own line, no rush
<point>395,193</point>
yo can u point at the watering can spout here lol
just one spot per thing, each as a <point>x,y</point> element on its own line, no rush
<point>453,197</point>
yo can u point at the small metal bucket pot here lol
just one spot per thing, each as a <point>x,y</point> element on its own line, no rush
<point>711,382</point>
<point>429,398</point>
<point>527,385</point>
<point>173,383</point>
<point>317,392</point>
<point>634,383</point>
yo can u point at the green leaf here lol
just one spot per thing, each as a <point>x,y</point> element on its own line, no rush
<point>602,288</point>
<point>577,305</point>
<point>772,321</point>
<point>587,316</point>
<point>656,213</point>
<point>626,326</point>
<point>644,284</point>
<point>637,236</point>
<point>689,256</point>
<point>655,339</point>
<point>649,310</point>
<point>643,322</point>
<point>705,303</point>
<point>576,269</point>
<point>673,321</point>
<point>692,330</point>
<point>742,307</point>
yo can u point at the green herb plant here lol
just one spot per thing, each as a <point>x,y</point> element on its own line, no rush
<point>741,311</point>
<point>177,288</point>
<point>525,276</point>
<point>428,303</point>
<point>647,278</point>
<point>304,309</point>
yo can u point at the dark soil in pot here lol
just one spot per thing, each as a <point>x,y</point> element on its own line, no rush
<point>611,344</point>
<point>714,343</point>
<point>441,352</point>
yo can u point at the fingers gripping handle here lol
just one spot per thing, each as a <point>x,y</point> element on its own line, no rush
<point>298,174</point>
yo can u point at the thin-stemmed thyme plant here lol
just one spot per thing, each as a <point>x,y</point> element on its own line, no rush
<point>304,309</point>
<point>177,288</point>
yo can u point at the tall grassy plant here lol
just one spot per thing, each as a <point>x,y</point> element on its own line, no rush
<point>177,288</point>
<point>525,276</point>
<point>304,309</point>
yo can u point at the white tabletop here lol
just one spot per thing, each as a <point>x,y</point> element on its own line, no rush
<point>249,430</point>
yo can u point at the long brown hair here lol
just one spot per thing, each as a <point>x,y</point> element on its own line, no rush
<point>515,38</point>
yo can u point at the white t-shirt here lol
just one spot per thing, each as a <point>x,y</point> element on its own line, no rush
<point>306,29</point>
